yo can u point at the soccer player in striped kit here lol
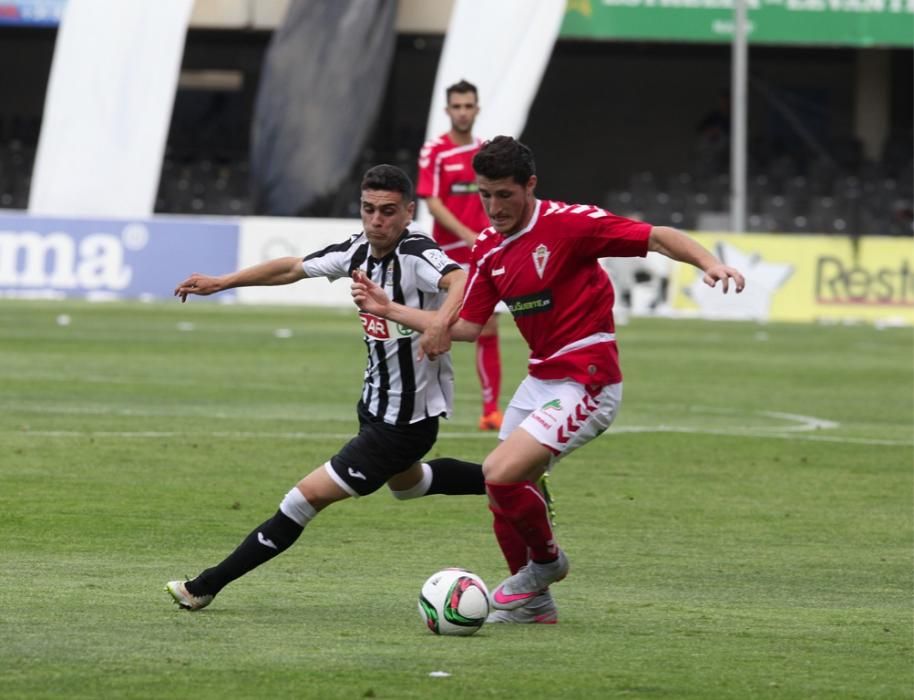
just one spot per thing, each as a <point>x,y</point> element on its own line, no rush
<point>403,395</point>
<point>542,259</point>
<point>448,185</point>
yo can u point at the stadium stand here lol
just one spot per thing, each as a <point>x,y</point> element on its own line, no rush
<point>786,193</point>
<point>841,194</point>
<point>834,188</point>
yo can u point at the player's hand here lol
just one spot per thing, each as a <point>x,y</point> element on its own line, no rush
<point>368,296</point>
<point>203,285</point>
<point>435,341</point>
<point>724,273</point>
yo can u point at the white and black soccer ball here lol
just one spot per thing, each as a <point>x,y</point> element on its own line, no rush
<point>454,602</point>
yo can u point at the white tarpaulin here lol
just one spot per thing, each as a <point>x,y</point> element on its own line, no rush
<point>108,107</point>
<point>502,48</point>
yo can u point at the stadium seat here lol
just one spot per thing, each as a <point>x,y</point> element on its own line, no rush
<point>643,187</point>
<point>800,224</point>
<point>901,222</point>
<point>758,190</point>
<point>779,212</point>
<point>871,223</point>
<point>797,192</point>
<point>660,208</point>
<point>719,192</point>
<point>697,204</point>
<point>821,213</point>
<point>847,186</point>
<point>756,223</point>
<point>620,202</point>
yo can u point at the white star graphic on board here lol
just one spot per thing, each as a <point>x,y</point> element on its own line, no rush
<point>763,279</point>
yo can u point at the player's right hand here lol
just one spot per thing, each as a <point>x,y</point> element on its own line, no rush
<point>203,285</point>
<point>368,296</point>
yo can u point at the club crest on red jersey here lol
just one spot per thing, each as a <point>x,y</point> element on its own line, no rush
<point>540,258</point>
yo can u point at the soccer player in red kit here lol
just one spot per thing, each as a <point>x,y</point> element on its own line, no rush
<point>542,259</point>
<point>448,184</point>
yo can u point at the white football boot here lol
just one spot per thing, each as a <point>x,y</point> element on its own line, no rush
<point>184,599</point>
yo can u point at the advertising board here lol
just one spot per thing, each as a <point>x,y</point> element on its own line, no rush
<point>56,258</point>
<point>805,278</point>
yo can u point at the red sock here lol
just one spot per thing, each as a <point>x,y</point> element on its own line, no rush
<point>488,367</point>
<point>512,544</point>
<point>525,508</point>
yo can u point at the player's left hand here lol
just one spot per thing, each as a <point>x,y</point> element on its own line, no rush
<point>723,273</point>
<point>368,296</point>
<point>435,341</point>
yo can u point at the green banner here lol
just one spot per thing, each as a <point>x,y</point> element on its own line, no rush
<point>804,22</point>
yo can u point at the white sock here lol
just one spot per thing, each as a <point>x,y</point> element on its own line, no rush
<point>420,489</point>
<point>296,507</point>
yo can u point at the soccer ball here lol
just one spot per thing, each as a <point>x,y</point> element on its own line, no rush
<point>454,602</point>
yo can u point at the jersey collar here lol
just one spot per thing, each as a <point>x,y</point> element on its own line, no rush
<point>537,206</point>
<point>393,251</point>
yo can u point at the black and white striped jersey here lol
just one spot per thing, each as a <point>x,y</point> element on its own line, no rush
<point>399,388</point>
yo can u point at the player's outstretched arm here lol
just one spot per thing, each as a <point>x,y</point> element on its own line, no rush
<point>272,272</point>
<point>676,245</point>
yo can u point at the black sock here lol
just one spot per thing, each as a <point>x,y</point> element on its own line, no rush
<point>455,477</point>
<point>274,536</point>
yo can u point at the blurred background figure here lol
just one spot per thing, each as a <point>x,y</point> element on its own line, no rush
<point>447,182</point>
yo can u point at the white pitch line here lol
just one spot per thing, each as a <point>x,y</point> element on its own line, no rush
<point>803,423</point>
<point>763,433</point>
<point>797,424</point>
<point>735,432</point>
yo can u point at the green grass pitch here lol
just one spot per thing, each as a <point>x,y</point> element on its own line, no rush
<point>743,531</point>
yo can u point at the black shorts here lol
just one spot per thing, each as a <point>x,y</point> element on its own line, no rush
<point>380,451</point>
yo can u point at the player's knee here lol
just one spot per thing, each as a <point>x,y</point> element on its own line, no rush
<point>494,469</point>
<point>416,490</point>
<point>490,329</point>
<point>503,467</point>
<point>404,494</point>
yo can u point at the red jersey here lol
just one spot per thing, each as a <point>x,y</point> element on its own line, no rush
<point>549,276</point>
<point>446,172</point>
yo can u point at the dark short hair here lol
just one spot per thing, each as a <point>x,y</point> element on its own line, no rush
<point>505,156</point>
<point>461,87</point>
<point>388,178</point>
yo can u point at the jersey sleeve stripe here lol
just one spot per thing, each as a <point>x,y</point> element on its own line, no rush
<point>436,176</point>
<point>469,287</point>
<point>333,248</point>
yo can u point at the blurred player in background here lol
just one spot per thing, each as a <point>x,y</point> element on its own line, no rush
<point>448,185</point>
<point>542,258</point>
<point>403,396</point>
